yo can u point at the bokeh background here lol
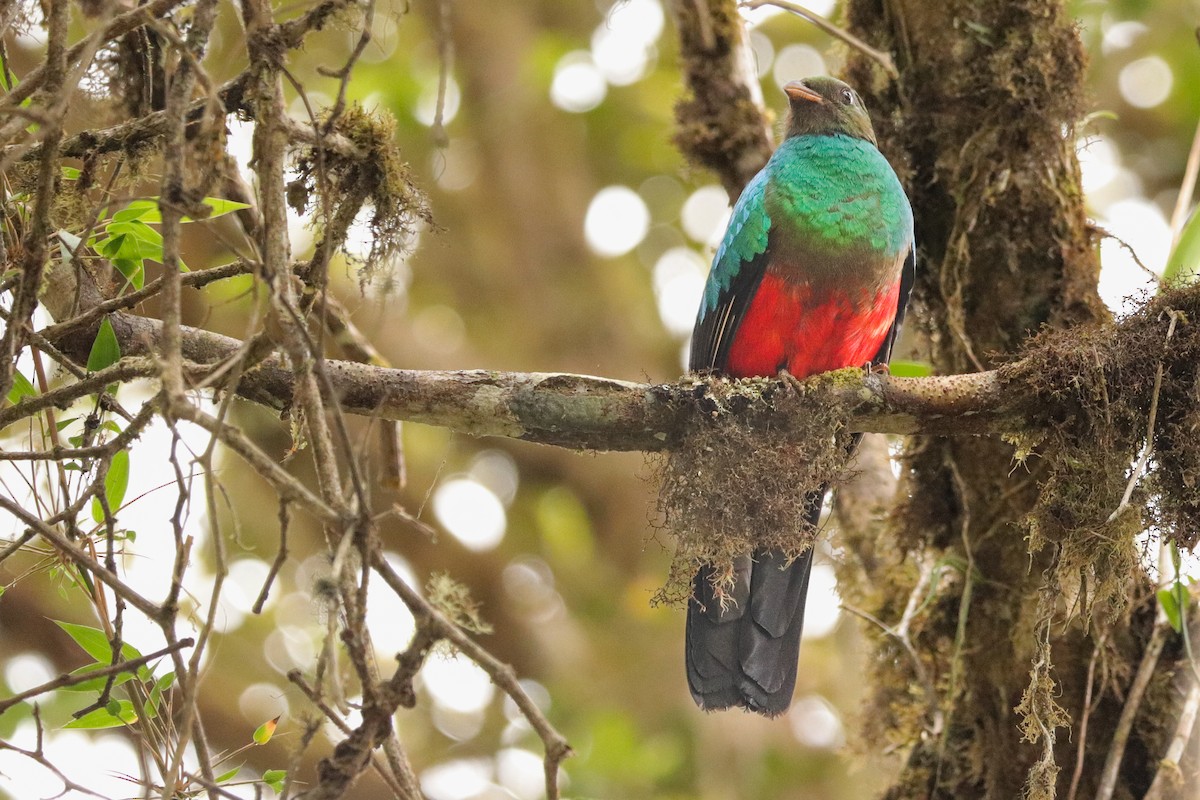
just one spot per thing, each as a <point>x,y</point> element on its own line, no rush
<point>568,236</point>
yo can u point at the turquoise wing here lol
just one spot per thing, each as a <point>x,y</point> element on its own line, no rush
<point>737,269</point>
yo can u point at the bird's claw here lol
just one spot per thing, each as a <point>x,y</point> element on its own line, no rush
<point>791,381</point>
<point>877,369</point>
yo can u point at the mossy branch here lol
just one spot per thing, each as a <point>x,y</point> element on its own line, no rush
<point>596,413</point>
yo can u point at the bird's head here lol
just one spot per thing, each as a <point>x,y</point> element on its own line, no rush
<point>824,105</point>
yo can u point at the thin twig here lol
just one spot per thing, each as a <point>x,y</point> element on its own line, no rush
<point>1116,751</point>
<point>501,674</point>
<point>75,678</point>
<point>880,57</point>
<point>1168,767</point>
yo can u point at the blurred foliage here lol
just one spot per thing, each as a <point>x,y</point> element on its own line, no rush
<point>504,279</point>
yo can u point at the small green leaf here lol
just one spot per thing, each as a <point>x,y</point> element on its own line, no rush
<point>275,778</point>
<point>910,369</point>
<point>133,269</point>
<point>220,207</point>
<point>228,776</point>
<point>110,246</point>
<point>106,351</point>
<point>62,424</point>
<point>95,643</point>
<point>21,388</point>
<point>1170,606</point>
<point>71,173</point>
<point>115,484</point>
<point>265,731</point>
<point>1183,266</point>
<point>120,713</point>
<point>160,686</point>
<point>144,210</point>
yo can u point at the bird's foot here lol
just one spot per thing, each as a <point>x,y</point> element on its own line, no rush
<point>792,382</point>
<point>877,369</point>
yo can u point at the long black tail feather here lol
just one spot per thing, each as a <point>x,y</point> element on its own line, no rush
<point>745,654</point>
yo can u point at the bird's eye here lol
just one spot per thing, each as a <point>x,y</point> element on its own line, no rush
<point>847,97</point>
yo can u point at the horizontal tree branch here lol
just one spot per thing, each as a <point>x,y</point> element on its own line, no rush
<point>595,413</point>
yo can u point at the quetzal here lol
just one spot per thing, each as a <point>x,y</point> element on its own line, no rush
<point>813,275</point>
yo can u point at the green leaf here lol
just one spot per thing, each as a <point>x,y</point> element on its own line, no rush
<point>910,369</point>
<point>21,388</point>
<point>1170,606</point>
<point>95,642</point>
<point>160,687</point>
<point>220,207</point>
<point>228,776</point>
<point>133,270</point>
<point>1183,266</point>
<point>144,210</point>
<point>110,246</point>
<point>115,484</point>
<point>71,173</point>
<point>275,778</point>
<point>265,731</point>
<point>121,713</point>
<point>105,350</point>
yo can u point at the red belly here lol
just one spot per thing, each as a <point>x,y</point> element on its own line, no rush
<point>788,327</point>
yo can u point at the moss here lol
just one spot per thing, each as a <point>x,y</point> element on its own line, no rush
<point>382,178</point>
<point>733,486</point>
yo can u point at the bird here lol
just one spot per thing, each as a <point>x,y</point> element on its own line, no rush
<point>813,274</point>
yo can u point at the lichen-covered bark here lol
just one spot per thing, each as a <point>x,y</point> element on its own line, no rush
<point>980,126</point>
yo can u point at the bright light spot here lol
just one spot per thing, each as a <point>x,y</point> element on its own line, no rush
<point>797,61</point>
<point>815,723</point>
<point>241,589</point>
<point>1140,224</point>
<point>617,220</point>
<point>496,470</point>
<point>27,670</point>
<point>521,772</point>
<point>530,584</point>
<point>260,702</point>
<point>1146,82</point>
<point>289,647</point>
<point>624,43</point>
<point>456,165</point>
<point>389,620</point>
<point>705,215</point>
<point>239,144</point>
<point>457,683</point>
<point>678,285</point>
<point>1121,35</point>
<point>460,726</point>
<point>578,84</point>
<point>426,109</point>
<point>457,780</point>
<point>822,610</point>
<point>439,329</point>
<point>764,52</point>
<point>1098,161</point>
<point>31,35</point>
<point>359,236</point>
<point>470,512</point>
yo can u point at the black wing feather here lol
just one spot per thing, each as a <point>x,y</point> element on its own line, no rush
<point>713,334</point>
